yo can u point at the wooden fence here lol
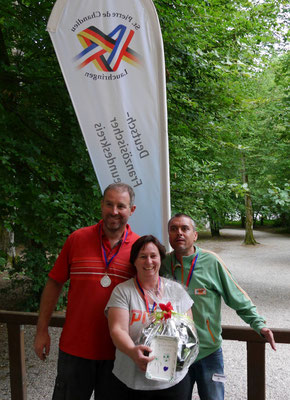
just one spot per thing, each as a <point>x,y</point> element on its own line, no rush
<point>256,371</point>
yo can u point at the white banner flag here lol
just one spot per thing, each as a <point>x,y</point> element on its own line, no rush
<point>112,60</point>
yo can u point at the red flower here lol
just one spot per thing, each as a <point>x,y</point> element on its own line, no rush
<point>166,308</point>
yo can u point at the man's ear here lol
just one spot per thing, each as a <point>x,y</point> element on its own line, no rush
<point>133,208</point>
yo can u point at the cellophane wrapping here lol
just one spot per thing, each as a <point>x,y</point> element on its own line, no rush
<point>170,323</point>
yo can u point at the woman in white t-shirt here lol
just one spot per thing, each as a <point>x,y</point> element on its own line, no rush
<point>128,312</point>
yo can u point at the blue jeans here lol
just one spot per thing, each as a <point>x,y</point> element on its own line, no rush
<point>203,372</point>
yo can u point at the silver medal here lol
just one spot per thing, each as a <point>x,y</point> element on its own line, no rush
<point>106,281</point>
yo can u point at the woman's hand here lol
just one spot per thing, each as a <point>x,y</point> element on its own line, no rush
<point>119,330</point>
<point>140,355</point>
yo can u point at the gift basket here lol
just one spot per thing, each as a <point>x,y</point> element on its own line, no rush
<point>174,342</point>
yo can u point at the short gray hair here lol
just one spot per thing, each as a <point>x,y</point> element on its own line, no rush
<point>180,215</point>
<point>121,187</point>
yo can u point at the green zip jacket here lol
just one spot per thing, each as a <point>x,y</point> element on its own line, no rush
<point>211,281</point>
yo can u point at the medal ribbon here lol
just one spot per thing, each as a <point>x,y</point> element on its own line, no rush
<point>145,297</point>
<point>182,269</point>
<point>108,261</point>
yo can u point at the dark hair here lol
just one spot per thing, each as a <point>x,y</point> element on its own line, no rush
<point>141,242</point>
<point>122,187</point>
<point>180,215</point>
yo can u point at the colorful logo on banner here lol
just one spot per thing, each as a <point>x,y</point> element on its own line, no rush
<point>105,52</point>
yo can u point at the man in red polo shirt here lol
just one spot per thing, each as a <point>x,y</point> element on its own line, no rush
<point>95,259</point>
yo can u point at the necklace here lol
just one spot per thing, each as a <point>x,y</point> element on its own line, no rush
<point>150,311</point>
<point>106,280</point>
<point>182,270</point>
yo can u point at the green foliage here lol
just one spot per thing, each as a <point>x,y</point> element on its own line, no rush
<point>227,102</point>
<point>260,130</point>
<point>25,275</point>
<point>48,184</point>
<point>213,55</point>
<point>3,260</point>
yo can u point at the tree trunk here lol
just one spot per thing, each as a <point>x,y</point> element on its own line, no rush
<point>214,228</point>
<point>243,221</point>
<point>254,220</point>
<point>285,220</point>
<point>249,236</point>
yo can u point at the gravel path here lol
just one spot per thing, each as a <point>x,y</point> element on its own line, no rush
<point>262,270</point>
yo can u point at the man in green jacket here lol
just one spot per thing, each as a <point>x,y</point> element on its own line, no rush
<point>208,280</point>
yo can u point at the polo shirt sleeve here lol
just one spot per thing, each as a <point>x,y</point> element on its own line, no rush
<point>187,302</point>
<point>120,297</point>
<point>61,268</point>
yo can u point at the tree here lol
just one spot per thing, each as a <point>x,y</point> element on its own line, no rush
<point>210,47</point>
<point>48,185</point>
<point>215,111</point>
<point>260,133</point>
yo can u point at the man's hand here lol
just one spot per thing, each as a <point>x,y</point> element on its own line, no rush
<point>42,345</point>
<point>48,301</point>
<point>268,335</point>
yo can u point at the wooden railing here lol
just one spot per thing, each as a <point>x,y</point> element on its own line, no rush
<point>255,351</point>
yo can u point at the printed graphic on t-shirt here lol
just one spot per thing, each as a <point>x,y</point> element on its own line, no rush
<point>138,316</point>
